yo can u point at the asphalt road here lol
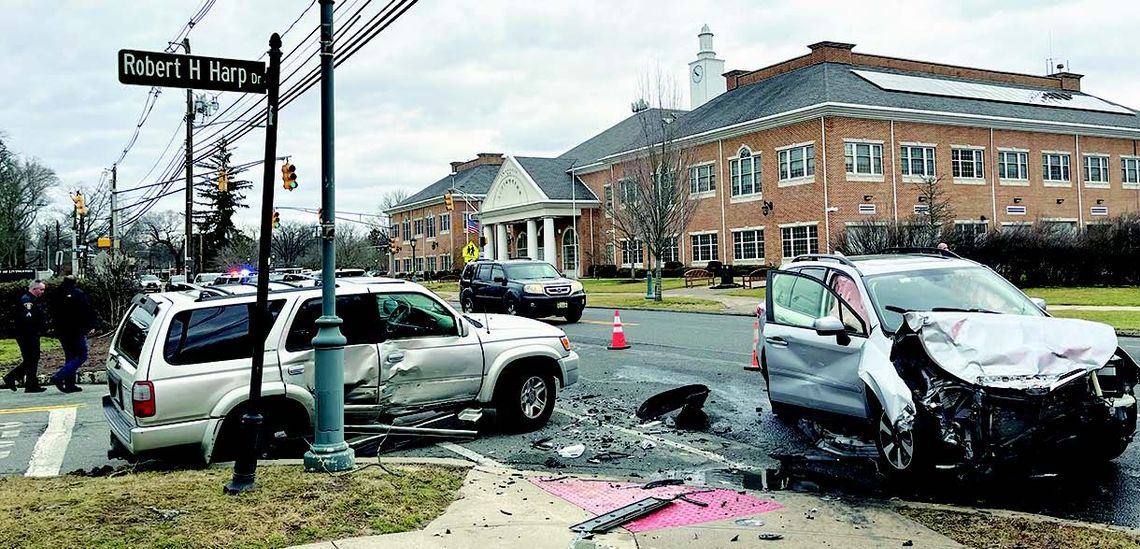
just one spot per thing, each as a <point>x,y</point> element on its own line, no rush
<point>736,448</point>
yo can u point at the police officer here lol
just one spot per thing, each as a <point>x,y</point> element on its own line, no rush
<point>29,323</point>
<point>73,320</point>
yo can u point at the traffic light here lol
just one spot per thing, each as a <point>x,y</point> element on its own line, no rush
<point>223,182</point>
<point>392,247</point>
<point>288,176</point>
<point>449,201</point>
<point>276,219</point>
<point>80,204</point>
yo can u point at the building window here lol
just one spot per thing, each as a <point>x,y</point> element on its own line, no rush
<point>431,263</point>
<point>430,221</point>
<point>918,161</point>
<point>445,262</point>
<point>702,179</point>
<point>419,261</point>
<point>1060,226</point>
<point>407,264</point>
<point>745,170</point>
<point>608,191</point>
<point>419,227</point>
<point>971,229</point>
<point>1055,167</point>
<point>863,158</point>
<point>672,251</point>
<point>799,240</point>
<point>1130,171</point>
<point>1096,169</point>
<point>407,230</point>
<point>445,223</point>
<point>521,246</point>
<point>609,253</point>
<point>396,231</point>
<point>967,164</point>
<point>797,162</point>
<point>632,253</point>
<point>628,192</point>
<point>569,250</point>
<point>748,245</point>
<point>704,247</point>
<point>1013,165</point>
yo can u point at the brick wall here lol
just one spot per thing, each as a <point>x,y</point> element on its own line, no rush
<point>447,244</point>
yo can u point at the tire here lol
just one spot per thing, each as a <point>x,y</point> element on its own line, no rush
<point>574,316</point>
<point>511,306</point>
<point>467,303</point>
<point>294,444</point>
<point>901,455</point>
<point>524,400</point>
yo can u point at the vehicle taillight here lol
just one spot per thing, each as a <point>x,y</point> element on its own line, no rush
<point>142,398</point>
<point>760,310</point>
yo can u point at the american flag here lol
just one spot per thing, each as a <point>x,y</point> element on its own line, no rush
<point>472,225</point>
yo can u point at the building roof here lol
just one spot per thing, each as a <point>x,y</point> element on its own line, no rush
<point>836,83</point>
<point>623,136</point>
<point>473,181</point>
<point>553,177</point>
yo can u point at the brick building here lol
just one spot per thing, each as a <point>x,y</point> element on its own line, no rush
<point>787,157</point>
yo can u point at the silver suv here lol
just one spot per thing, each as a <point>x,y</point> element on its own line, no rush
<point>942,361</point>
<point>179,364</point>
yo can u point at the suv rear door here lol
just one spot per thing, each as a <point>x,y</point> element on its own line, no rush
<point>819,372</point>
<point>133,342</point>
<point>359,328</point>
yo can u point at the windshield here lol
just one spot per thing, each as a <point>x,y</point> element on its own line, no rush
<point>531,271</point>
<point>962,288</point>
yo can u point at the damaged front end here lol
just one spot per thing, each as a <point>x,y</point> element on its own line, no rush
<point>996,389</point>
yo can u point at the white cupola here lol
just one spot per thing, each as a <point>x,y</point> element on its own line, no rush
<point>705,73</point>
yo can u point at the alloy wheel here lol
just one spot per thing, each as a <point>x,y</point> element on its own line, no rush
<point>533,397</point>
<point>897,448</point>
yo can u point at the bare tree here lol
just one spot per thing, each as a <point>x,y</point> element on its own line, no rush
<point>652,193</point>
<point>23,194</point>
<point>354,250</point>
<point>164,230</point>
<point>937,214</point>
<point>393,197</point>
<point>292,241</point>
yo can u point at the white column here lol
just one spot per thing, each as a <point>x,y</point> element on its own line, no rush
<point>489,247</point>
<point>549,252</point>
<point>501,241</point>
<point>532,239</point>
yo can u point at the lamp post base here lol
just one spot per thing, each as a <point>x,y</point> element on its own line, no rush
<point>332,460</point>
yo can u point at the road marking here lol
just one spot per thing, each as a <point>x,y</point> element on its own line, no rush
<point>38,409</point>
<point>6,444</point>
<point>10,434</point>
<point>608,323</point>
<point>10,425</point>
<point>47,456</point>
<point>659,440</point>
<point>471,455</point>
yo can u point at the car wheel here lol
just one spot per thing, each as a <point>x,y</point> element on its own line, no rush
<point>468,303</point>
<point>511,307</point>
<point>524,401</point>
<point>903,454</point>
<point>574,316</point>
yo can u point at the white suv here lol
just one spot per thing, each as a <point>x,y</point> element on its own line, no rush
<point>179,365</point>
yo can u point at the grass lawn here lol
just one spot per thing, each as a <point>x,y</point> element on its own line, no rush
<point>626,286</point>
<point>10,352</point>
<point>1128,295</point>
<point>188,509</point>
<point>988,530</point>
<point>758,293</point>
<point>441,286</point>
<point>669,303</point>
<point>1121,320</point>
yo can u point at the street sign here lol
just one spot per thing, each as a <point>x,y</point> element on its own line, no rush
<point>168,70</point>
<point>470,252</point>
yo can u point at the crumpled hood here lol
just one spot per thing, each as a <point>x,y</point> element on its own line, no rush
<point>1012,351</point>
<point>509,327</point>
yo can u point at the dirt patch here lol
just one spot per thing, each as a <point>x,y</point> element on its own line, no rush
<point>989,531</point>
<point>51,355</point>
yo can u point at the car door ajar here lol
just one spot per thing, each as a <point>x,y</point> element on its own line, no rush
<point>818,372</point>
<point>425,359</point>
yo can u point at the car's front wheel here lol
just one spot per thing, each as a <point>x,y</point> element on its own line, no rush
<point>903,454</point>
<point>468,303</point>
<point>525,400</point>
<point>511,306</point>
<point>574,315</point>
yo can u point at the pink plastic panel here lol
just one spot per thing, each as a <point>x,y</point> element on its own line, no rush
<point>602,497</point>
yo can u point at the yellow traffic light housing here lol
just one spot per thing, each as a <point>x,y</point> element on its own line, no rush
<point>80,204</point>
<point>288,176</point>
<point>392,247</point>
<point>223,182</point>
<point>449,201</point>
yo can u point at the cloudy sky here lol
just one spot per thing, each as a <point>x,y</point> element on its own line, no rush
<point>452,78</point>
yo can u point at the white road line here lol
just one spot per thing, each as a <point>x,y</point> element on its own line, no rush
<point>6,444</point>
<point>10,434</point>
<point>10,425</point>
<point>471,455</point>
<point>659,440</point>
<point>47,456</point>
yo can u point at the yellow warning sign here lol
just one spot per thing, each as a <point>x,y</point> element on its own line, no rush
<point>470,252</point>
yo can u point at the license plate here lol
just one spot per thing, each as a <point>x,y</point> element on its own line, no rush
<point>115,387</point>
<point>563,305</point>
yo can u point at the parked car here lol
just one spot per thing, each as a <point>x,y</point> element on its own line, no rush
<point>520,287</point>
<point>348,273</point>
<point>176,282</point>
<point>943,362</point>
<point>179,364</point>
<point>150,283</point>
<point>203,279</point>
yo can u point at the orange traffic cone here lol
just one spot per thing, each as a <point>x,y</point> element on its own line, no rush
<point>755,341</point>
<point>619,334</point>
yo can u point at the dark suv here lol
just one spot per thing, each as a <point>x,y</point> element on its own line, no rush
<point>520,287</point>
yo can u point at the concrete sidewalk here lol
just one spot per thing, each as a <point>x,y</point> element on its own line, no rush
<point>501,508</point>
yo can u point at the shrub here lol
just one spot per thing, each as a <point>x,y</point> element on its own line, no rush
<point>604,271</point>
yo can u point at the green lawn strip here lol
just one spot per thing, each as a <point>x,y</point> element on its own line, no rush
<point>1085,295</point>
<point>668,303</point>
<point>758,293</point>
<point>976,529</point>
<point>1121,320</point>
<point>438,287</point>
<point>10,352</point>
<point>288,507</point>
<point>626,285</point>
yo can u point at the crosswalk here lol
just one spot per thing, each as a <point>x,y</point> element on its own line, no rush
<point>45,458</point>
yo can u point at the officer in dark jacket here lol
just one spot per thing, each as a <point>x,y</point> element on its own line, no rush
<point>73,320</point>
<point>29,324</point>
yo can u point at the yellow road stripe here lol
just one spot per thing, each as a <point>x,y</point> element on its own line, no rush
<point>608,323</point>
<point>38,409</point>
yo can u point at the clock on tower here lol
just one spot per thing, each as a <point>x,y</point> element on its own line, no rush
<point>698,74</point>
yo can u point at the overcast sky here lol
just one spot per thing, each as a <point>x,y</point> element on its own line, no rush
<point>453,78</point>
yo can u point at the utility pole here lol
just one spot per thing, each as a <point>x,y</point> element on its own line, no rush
<point>187,250</point>
<point>114,226</point>
<point>329,451</point>
<point>75,245</point>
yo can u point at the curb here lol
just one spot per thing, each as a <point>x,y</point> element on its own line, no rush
<point>720,313</point>
<point>82,378</point>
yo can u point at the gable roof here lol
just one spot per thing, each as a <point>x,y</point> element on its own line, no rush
<point>553,178</point>
<point>623,136</point>
<point>473,181</point>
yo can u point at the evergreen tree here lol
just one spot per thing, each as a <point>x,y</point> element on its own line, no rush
<point>215,206</point>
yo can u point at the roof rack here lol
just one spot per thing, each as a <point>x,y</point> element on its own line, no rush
<point>823,257</point>
<point>920,250</point>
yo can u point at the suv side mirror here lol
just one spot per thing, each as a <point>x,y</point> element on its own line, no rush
<point>1039,302</point>
<point>831,326</point>
<point>500,280</point>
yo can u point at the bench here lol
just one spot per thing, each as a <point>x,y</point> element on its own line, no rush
<point>692,276</point>
<point>754,278</point>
